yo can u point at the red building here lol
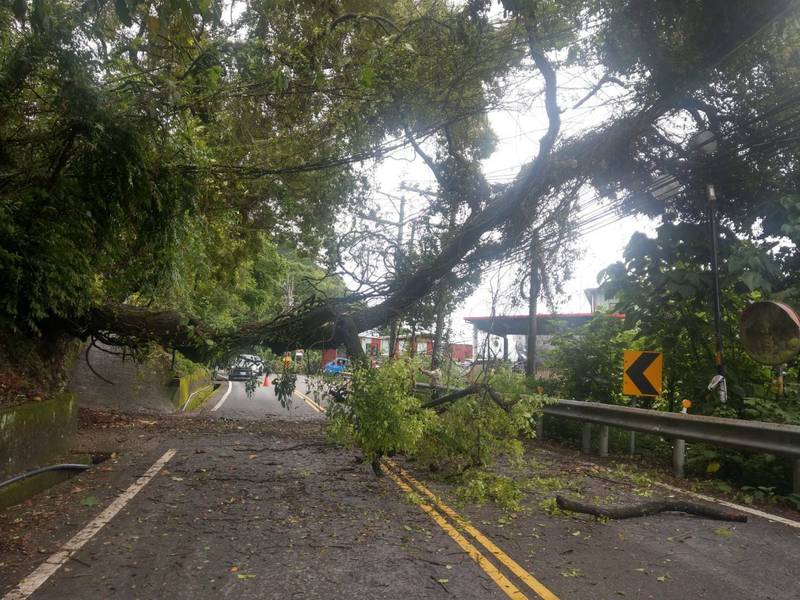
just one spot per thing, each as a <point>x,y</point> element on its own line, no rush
<point>375,345</point>
<point>461,352</point>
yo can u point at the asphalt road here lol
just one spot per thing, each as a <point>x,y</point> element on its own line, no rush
<point>261,403</point>
<point>250,501</point>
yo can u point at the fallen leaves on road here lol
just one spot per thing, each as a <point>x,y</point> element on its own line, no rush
<point>89,501</point>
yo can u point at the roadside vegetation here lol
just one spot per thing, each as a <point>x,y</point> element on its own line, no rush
<point>587,363</point>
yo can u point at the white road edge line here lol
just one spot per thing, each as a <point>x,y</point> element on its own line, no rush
<point>739,507</point>
<point>224,397</point>
<point>52,564</point>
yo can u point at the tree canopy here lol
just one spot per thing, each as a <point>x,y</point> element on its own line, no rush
<point>165,165</point>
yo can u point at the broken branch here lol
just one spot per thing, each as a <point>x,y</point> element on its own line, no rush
<point>647,509</point>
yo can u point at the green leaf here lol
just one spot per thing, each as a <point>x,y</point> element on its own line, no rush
<point>572,54</point>
<point>753,280</point>
<point>89,501</point>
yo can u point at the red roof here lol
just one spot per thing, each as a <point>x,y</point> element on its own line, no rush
<point>518,324</point>
<point>552,315</point>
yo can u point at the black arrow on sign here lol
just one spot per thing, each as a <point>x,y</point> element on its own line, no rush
<point>636,373</point>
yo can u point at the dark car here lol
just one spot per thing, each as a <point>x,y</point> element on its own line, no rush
<point>247,367</point>
<point>240,373</point>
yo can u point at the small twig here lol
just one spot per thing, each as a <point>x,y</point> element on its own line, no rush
<point>439,581</point>
<point>78,560</point>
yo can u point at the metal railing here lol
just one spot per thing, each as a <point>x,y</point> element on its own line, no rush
<point>753,436</point>
<point>757,436</point>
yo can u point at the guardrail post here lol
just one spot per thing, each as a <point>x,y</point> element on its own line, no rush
<point>796,476</point>
<point>753,436</point>
<point>540,427</point>
<point>586,438</point>
<point>678,457</point>
<point>603,440</point>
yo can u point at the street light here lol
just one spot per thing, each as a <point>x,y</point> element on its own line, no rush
<point>706,142</point>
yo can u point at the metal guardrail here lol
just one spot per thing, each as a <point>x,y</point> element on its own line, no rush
<point>757,436</point>
<point>754,436</point>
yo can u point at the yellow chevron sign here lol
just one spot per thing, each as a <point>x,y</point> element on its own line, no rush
<point>641,373</point>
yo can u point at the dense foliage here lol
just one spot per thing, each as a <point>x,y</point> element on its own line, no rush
<point>380,415</point>
<point>160,154</point>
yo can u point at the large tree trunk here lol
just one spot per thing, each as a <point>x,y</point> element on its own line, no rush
<point>438,333</point>
<point>533,297</point>
<point>441,301</point>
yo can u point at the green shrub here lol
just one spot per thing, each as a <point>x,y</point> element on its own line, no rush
<point>381,415</point>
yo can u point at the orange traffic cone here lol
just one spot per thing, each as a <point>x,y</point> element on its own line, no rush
<point>266,379</point>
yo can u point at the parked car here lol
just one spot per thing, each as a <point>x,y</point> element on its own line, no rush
<point>336,366</point>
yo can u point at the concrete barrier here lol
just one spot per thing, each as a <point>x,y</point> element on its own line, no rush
<point>34,433</point>
<point>188,385</point>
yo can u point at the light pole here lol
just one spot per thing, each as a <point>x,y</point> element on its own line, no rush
<point>705,142</point>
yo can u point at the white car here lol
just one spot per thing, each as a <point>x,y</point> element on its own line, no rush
<point>247,366</point>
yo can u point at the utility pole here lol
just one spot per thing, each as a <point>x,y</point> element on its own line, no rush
<point>533,297</point>
<point>398,256</point>
<point>706,143</point>
<point>442,297</point>
<point>721,386</point>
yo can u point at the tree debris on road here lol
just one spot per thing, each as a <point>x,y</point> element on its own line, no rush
<point>647,509</point>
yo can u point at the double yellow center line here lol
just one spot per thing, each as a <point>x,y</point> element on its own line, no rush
<point>317,407</point>
<point>408,484</point>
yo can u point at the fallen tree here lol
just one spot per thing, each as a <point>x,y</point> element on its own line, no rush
<point>493,220</point>
<point>604,154</point>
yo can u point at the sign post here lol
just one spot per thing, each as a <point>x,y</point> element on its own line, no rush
<point>641,376</point>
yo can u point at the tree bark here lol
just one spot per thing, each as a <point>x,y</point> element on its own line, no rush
<point>533,297</point>
<point>475,388</point>
<point>393,339</point>
<point>441,303</point>
<point>453,396</point>
<point>438,334</point>
<point>647,509</point>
